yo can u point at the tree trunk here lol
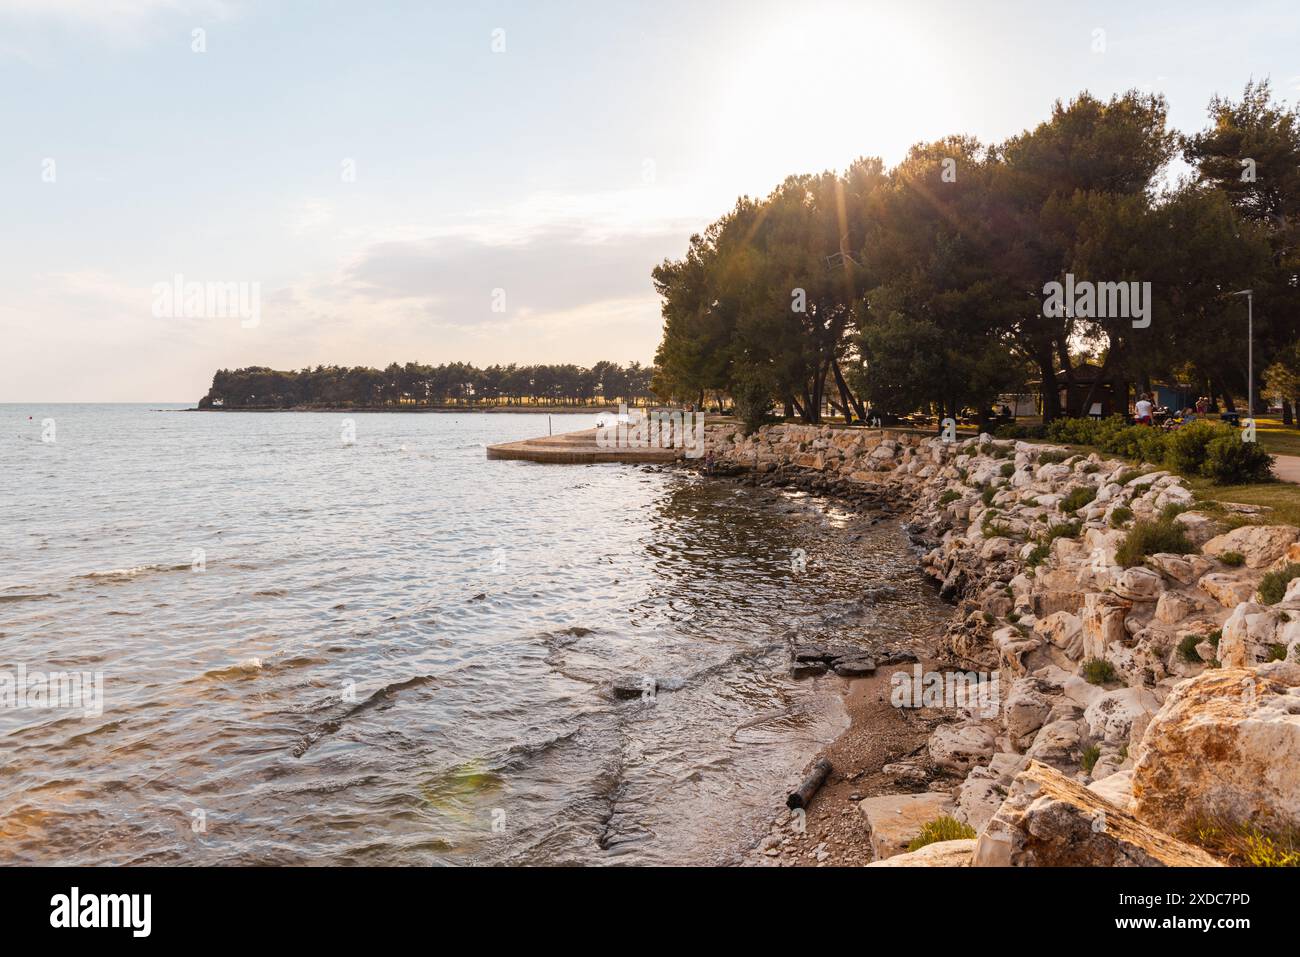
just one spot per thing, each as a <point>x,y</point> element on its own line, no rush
<point>845,397</point>
<point>846,393</point>
<point>1051,394</point>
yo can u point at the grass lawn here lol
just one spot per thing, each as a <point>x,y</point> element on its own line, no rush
<point>1277,439</point>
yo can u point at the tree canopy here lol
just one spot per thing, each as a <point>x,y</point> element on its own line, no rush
<point>923,286</point>
<point>416,385</point>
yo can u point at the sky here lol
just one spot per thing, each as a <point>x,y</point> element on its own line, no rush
<point>488,182</point>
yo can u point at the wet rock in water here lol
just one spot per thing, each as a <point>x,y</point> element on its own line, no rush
<point>854,667</point>
<point>808,669</point>
<point>1049,820</point>
<point>880,593</point>
<point>634,686</point>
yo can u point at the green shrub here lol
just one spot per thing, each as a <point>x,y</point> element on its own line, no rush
<point>1277,652</point>
<point>1245,845</point>
<point>1098,671</point>
<point>1053,457</point>
<point>1008,470</point>
<point>1187,649</point>
<point>1014,616</point>
<point>1149,537</point>
<point>1272,587</point>
<point>986,496</point>
<point>752,387</point>
<point>948,497</point>
<point>1233,559</point>
<point>1008,431</point>
<point>1079,497</point>
<point>1186,448</point>
<point>1090,755</point>
<point>1129,475</point>
<point>1214,637</point>
<point>1037,556</point>
<point>1120,516</point>
<point>944,828</point>
<point>1062,530</point>
<point>1230,461</point>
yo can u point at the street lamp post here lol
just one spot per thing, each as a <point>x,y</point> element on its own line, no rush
<point>1250,350</point>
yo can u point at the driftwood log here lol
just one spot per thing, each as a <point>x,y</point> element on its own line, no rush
<point>810,786</point>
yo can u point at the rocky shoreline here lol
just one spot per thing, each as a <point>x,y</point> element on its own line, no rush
<point>1144,711</point>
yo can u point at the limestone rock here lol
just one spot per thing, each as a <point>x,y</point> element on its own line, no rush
<point>1225,746</point>
<point>1116,788</point>
<point>1198,527</point>
<point>940,854</point>
<point>1064,630</point>
<point>1260,544</point>
<point>1228,590</point>
<point>1049,820</point>
<point>1139,584</point>
<point>1110,717</point>
<point>1057,744</point>
<point>1027,708</point>
<point>980,796</point>
<point>960,747</point>
<point>895,820</point>
<point>1103,623</point>
<point>1248,629</point>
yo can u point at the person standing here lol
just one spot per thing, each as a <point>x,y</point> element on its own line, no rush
<point>1142,410</point>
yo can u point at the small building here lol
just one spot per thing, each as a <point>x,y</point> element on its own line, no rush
<point>1173,395</point>
<point>1075,391</point>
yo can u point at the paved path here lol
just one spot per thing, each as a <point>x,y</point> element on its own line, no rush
<point>1287,468</point>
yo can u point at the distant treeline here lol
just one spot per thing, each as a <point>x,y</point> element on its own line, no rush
<point>415,385</point>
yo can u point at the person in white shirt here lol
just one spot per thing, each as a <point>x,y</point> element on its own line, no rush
<point>1142,410</point>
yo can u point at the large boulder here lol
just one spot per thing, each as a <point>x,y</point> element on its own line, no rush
<point>1244,636</point>
<point>1228,590</point>
<point>1110,717</point>
<point>1198,527</point>
<point>895,820</point>
<point>940,854</point>
<point>979,797</point>
<point>1057,744</point>
<point>1139,584</point>
<point>1027,707</point>
<point>959,747</point>
<point>1225,747</point>
<point>1261,545</point>
<point>1116,788</point>
<point>1103,622</point>
<point>1049,820</point>
<point>1065,631</point>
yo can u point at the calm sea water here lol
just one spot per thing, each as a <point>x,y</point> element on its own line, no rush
<point>398,652</point>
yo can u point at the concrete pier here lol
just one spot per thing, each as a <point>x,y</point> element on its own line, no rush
<point>576,448</point>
